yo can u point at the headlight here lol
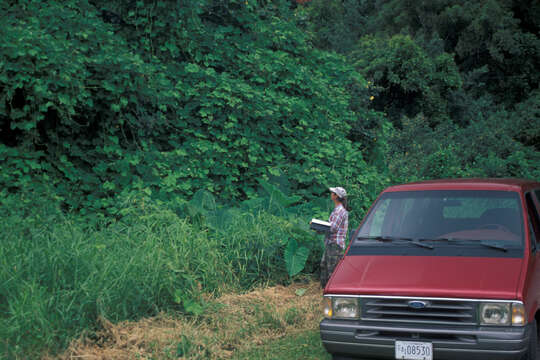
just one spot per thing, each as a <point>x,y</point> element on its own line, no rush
<point>502,314</point>
<point>341,308</point>
<point>495,314</point>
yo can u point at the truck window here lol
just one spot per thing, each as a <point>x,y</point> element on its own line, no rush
<point>537,193</point>
<point>449,213</point>
<point>534,219</point>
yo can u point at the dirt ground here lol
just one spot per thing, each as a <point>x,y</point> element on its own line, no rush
<point>231,323</point>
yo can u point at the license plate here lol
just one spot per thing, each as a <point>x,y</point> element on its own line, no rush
<point>412,350</point>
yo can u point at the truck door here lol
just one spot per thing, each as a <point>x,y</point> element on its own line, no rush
<point>532,291</point>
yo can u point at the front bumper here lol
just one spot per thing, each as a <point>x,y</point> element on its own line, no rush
<point>364,339</point>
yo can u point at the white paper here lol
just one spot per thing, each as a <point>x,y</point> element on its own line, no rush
<point>320,222</point>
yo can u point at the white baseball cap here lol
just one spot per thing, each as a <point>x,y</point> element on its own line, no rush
<point>339,191</point>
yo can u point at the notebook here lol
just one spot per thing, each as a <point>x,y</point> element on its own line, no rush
<point>319,225</point>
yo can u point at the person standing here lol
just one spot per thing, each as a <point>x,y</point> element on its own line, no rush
<point>334,241</point>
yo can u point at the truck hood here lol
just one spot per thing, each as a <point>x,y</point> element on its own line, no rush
<point>427,276</point>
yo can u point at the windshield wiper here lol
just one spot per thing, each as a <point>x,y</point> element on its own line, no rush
<point>392,238</point>
<point>438,239</point>
<point>493,245</point>
<point>378,238</point>
<point>488,244</point>
<point>419,242</point>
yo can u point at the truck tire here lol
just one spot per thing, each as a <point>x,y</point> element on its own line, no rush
<point>533,344</point>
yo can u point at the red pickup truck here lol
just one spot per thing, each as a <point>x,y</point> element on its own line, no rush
<point>446,269</point>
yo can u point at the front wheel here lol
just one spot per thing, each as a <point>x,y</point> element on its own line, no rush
<point>533,344</point>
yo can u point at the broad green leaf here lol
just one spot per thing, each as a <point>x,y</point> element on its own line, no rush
<point>295,257</point>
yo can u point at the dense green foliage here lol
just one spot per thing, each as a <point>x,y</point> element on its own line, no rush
<point>114,114</point>
<point>119,119</point>
<point>167,100</point>
<point>457,80</point>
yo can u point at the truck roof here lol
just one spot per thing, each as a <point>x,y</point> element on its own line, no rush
<point>501,184</point>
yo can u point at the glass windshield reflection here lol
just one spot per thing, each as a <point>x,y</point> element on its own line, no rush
<point>490,218</point>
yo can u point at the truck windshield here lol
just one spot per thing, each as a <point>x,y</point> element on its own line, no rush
<point>491,220</point>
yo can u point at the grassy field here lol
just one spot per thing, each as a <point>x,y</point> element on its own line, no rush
<point>267,323</point>
<point>61,277</point>
<point>305,345</point>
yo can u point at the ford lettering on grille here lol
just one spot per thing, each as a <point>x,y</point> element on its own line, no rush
<point>417,304</point>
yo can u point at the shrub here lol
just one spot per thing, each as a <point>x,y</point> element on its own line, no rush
<point>59,273</point>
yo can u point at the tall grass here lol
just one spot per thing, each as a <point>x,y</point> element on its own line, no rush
<point>58,274</point>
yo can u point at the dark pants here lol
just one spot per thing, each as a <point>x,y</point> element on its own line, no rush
<point>332,254</point>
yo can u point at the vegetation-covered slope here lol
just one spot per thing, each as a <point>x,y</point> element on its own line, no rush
<point>458,80</point>
<point>115,116</point>
<point>108,99</point>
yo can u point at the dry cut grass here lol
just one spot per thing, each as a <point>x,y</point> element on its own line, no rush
<point>232,324</point>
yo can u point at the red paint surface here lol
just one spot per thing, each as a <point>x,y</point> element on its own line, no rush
<point>466,184</point>
<point>427,276</point>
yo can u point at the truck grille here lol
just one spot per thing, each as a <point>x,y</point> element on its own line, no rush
<point>434,312</point>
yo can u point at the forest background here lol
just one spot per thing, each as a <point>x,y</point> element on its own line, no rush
<point>155,151</point>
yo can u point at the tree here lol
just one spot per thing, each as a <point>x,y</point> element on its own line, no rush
<point>407,80</point>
